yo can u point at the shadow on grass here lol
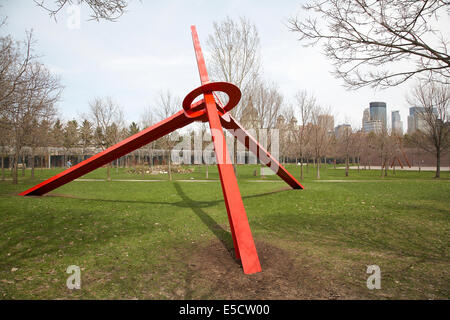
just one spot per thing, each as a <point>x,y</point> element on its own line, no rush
<point>181,204</point>
<point>45,236</point>
<point>223,235</point>
<point>26,240</point>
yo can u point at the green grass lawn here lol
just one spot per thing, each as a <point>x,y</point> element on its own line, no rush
<point>245,172</point>
<point>171,240</point>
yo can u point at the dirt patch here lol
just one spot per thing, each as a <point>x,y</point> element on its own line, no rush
<point>213,273</point>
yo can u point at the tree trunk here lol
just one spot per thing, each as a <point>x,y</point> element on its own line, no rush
<point>382,166</point>
<point>301,168</point>
<point>32,163</point>
<point>438,164</point>
<point>318,168</point>
<point>150,158</point>
<point>170,169</point>
<point>108,172</point>
<point>386,167</point>
<point>346,166</point>
<point>207,173</point>
<point>15,168</point>
<point>3,168</point>
<point>23,165</point>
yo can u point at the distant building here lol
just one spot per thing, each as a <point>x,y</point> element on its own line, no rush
<point>378,112</point>
<point>415,122</point>
<point>411,126</point>
<point>366,116</point>
<point>341,129</point>
<point>375,126</point>
<point>374,117</point>
<point>326,121</point>
<point>397,124</point>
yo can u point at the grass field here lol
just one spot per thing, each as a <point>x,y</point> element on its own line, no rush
<point>171,240</point>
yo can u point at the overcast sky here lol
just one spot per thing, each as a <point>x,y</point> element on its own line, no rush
<point>150,49</point>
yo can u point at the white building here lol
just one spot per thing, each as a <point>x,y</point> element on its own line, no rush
<point>375,126</point>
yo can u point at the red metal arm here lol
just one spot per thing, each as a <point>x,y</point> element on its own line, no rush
<point>134,142</point>
<point>242,236</point>
<point>251,144</point>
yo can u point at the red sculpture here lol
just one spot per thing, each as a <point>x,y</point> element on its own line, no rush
<point>204,110</point>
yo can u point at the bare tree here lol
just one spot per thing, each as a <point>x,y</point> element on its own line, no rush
<point>168,104</point>
<point>107,117</point>
<point>319,134</point>
<point>109,10</point>
<point>267,101</point>
<point>370,147</point>
<point>235,57</point>
<point>365,39</point>
<point>15,58</point>
<point>5,142</point>
<point>433,100</point>
<point>148,119</point>
<point>234,54</point>
<point>286,133</point>
<point>33,99</point>
<point>385,145</point>
<point>304,104</point>
<point>345,143</point>
<point>357,146</point>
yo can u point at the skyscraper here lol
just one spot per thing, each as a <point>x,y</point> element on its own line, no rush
<point>366,116</point>
<point>416,121</point>
<point>397,124</point>
<point>378,112</point>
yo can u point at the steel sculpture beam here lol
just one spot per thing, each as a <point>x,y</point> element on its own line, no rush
<point>262,154</point>
<point>206,110</point>
<point>244,245</point>
<point>124,147</point>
